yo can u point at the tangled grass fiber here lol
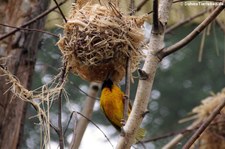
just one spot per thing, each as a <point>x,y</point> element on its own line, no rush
<point>98,39</point>
<point>41,99</point>
<point>213,137</point>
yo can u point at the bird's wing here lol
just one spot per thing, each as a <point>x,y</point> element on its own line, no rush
<point>113,123</point>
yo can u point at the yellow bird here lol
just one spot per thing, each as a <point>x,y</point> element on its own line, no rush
<point>112,104</point>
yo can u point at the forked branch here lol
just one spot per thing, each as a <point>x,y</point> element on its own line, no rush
<point>193,34</point>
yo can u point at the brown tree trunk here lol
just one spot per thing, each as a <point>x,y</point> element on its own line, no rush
<point>20,50</point>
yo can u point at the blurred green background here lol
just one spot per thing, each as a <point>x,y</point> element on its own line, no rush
<point>181,83</point>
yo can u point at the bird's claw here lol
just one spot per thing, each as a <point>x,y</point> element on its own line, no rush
<point>123,122</point>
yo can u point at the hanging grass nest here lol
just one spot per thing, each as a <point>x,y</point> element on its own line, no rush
<point>214,136</point>
<point>98,39</point>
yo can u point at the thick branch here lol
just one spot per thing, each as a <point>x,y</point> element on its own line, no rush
<point>193,34</point>
<point>145,86</point>
<point>81,126</point>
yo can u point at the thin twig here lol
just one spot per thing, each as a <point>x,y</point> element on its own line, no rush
<point>31,21</point>
<point>196,135</point>
<point>175,26</point>
<point>221,25</point>
<point>172,3</point>
<point>60,10</point>
<point>132,11</point>
<point>70,118</point>
<point>166,51</point>
<point>81,125</point>
<point>127,78</point>
<point>201,46</point>
<point>96,98</point>
<point>96,127</point>
<point>179,135</point>
<point>141,4</point>
<point>60,129</point>
<point>215,38</point>
<point>184,131</point>
<point>127,91</point>
<point>29,29</point>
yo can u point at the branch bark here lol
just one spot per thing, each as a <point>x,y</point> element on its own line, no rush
<point>145,86</point>
<point>39,16</point>
<point>81,126</point>
<point>21,52</point>
<point>193,34</point>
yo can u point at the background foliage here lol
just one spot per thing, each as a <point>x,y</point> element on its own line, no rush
<point>180,84</point>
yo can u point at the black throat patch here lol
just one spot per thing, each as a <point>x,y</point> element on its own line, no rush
<point>107,83</point>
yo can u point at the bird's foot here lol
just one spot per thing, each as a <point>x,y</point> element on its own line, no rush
<point>123,122</point>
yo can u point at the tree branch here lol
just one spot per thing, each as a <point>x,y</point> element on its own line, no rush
<point>145,86</point>
<point>132,11</point>
<point>95,126</point>
<point>221,25</point>
<point>193,34</point>
<point>60,129</point>
<point>177,138</point>
<point>141,4</point>
<point>204,125</point>
<point>30,29</point>
<point>175,26</point>
<point>126,98</point>
<point>155,17</point>
<point>60,10</point>
<point>31,21</point>
<point>81,126</point>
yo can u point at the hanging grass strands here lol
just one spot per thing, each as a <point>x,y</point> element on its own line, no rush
<point>213,136</point>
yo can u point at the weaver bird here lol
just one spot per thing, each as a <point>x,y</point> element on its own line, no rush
<point>112,105</point>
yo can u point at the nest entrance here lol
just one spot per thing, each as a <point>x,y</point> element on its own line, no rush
<point>98,39</point>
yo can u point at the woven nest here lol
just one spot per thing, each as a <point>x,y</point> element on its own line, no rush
<point>98,39</point>
<point>214,136</point>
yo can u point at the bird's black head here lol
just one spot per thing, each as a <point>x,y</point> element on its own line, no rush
<point>107,83</point>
